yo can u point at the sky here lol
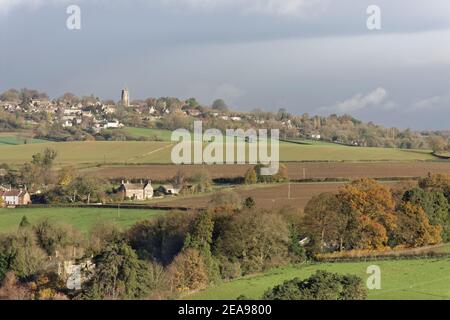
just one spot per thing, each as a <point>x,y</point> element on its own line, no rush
<point>314,56</point>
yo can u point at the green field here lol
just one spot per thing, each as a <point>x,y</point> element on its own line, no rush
<point>423,279</point>
<point>80,218</point>
<point>163,135</point>
<point>18,140</point>
<point>137,152</point>
<point>320,151</point>
<point>89,152</point>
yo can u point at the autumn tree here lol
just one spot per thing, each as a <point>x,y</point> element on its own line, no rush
<point>435,206</point>
<point>54,238</point>
<point>369,206</point>
<point>200,237</point>
<point>437,143</point>
<point>12,289</point>
<point>10,95</point>
<point>323,221</point>
<point>201,181</point>
<point>44,162</point>
<point>415,229</point>
<point>281,176</point>
<point>66,176</point>
<point>86,188</point>
<point>188,272</point>
<point>226,199</point>
<point>102,233</point>
<point>176,120</point>
<point>39,170</point>
<point>250,177</point>
<point>436,182</point>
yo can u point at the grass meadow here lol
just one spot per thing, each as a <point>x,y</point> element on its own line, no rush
<point>13,140</point>
<point>416,279</point>
<point>80,218</point>
<point>152,152</point>
<point>161,134</point>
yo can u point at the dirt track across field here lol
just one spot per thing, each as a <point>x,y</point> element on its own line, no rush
<point>307,170</point>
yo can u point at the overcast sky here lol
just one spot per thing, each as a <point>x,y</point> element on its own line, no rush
<point>314,56</point>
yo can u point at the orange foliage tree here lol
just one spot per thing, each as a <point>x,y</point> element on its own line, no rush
<point>188,272</point>
<point>371,207</point>
<point>415,229</point>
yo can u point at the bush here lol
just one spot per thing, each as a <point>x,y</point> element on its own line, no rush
<point>320,286</point>
<point>230,270</point>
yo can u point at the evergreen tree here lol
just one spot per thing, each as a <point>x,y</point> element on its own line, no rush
<point>24,223</point>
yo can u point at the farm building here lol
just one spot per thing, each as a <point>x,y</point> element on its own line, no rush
<point>168,189</point>
<point>137,191</point>
<point>3,172</point>
<point>15,197</point>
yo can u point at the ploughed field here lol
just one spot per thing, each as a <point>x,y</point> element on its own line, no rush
<point>266,196</point>
<point>420,279</point>
<point>270,196</point>
<point>297,170</point>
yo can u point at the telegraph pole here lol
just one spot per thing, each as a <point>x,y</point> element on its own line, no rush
<point>289,190</point>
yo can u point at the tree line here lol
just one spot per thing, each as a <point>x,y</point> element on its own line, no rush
<point>180,252</point>
<point>343,129</point>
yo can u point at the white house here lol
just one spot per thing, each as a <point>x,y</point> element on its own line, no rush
<point>15,196</point>
<point>137,191</point>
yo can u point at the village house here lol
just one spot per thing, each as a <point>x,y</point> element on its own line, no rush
<point>137,191</point>
<point>192,112</point>
<point>109,109</point>
<point>15,197</point>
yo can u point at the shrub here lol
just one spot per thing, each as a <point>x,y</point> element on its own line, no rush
<point>320,286</point>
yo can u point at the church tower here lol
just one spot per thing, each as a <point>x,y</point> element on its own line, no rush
<point>126,97</point>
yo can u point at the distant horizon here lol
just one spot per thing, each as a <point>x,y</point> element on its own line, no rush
<point>231,107</point>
